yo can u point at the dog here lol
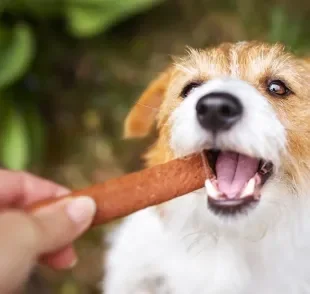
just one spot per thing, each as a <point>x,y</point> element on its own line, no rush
<point>246,106</point>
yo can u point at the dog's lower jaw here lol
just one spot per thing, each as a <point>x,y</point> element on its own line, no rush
<point>196,252</point>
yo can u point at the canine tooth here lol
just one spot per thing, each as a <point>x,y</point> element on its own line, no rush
<point>211,189</point>
<point>266,167</point>
<point>249,188</point>
<point>258,180</point>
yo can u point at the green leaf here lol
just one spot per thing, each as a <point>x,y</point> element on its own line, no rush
<point>16,54</point>
<point>88,18</point>
<point>84,22</point>
<point>14,141</point>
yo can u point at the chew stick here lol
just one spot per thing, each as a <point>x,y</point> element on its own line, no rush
<point>122,196</point>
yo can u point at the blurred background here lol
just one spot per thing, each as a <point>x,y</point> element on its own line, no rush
<point>70,70</point>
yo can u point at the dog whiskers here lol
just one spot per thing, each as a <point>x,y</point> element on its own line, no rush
<point>147,106</point>
<point>191,234</point>
<point>195,242</point>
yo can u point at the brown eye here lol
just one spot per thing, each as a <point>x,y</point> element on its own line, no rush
<point>189,88</point>
<point>278,88</point>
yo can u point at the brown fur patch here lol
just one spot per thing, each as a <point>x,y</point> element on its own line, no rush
<point>140,120</point>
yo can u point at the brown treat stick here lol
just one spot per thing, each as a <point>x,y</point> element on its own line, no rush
<point>122,196</point>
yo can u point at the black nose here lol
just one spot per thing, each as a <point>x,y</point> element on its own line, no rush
<point>218,111</point>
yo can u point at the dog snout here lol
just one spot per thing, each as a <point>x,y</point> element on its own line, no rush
<point>218,111</point>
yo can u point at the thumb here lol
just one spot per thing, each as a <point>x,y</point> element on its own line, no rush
<point>24,237</point>
<point>61,223</point>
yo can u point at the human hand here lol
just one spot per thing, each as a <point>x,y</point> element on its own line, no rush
<point>44,236</point>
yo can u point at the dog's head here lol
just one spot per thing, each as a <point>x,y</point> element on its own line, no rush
<point>247,105</point>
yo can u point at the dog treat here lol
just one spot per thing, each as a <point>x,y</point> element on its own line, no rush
<point>122,196</point>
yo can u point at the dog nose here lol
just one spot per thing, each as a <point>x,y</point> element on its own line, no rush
<point>218,111</point>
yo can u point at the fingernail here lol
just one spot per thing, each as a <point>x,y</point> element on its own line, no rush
<point>73,264</point>
<point>61,191</point>
<point>81,209</point>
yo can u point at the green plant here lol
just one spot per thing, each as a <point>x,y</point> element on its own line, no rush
<point>21,126</point>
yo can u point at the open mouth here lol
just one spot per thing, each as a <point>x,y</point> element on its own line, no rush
<point>237,181</point>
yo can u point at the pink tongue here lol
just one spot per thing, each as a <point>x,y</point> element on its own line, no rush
<point>233,171</point>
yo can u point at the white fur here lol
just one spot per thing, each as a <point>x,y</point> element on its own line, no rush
<point>195,252</point>
<point>261,257</point>
<point>259,132</point>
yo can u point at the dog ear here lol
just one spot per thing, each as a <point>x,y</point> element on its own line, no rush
<point>140,120</point>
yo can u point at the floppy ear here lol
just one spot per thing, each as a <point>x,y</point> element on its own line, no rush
<point>140,120</point>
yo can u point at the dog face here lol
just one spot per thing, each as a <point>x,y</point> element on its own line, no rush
<point>246,107</point>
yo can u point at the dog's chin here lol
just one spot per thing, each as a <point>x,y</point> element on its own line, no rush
<point>236,184</point>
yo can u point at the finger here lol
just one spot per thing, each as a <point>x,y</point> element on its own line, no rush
<point>63,259</point>
<point>22,188</point>
<point>63,222</point>
<point>17,249</point>
<point>25,237</point>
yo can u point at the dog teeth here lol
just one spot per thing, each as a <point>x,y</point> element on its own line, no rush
<point>249,188</point>
<point>266,167</point>
<point>211,190</point>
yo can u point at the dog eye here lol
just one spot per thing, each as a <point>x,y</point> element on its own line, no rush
<point>278,88</point>
<point>189,88</point>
